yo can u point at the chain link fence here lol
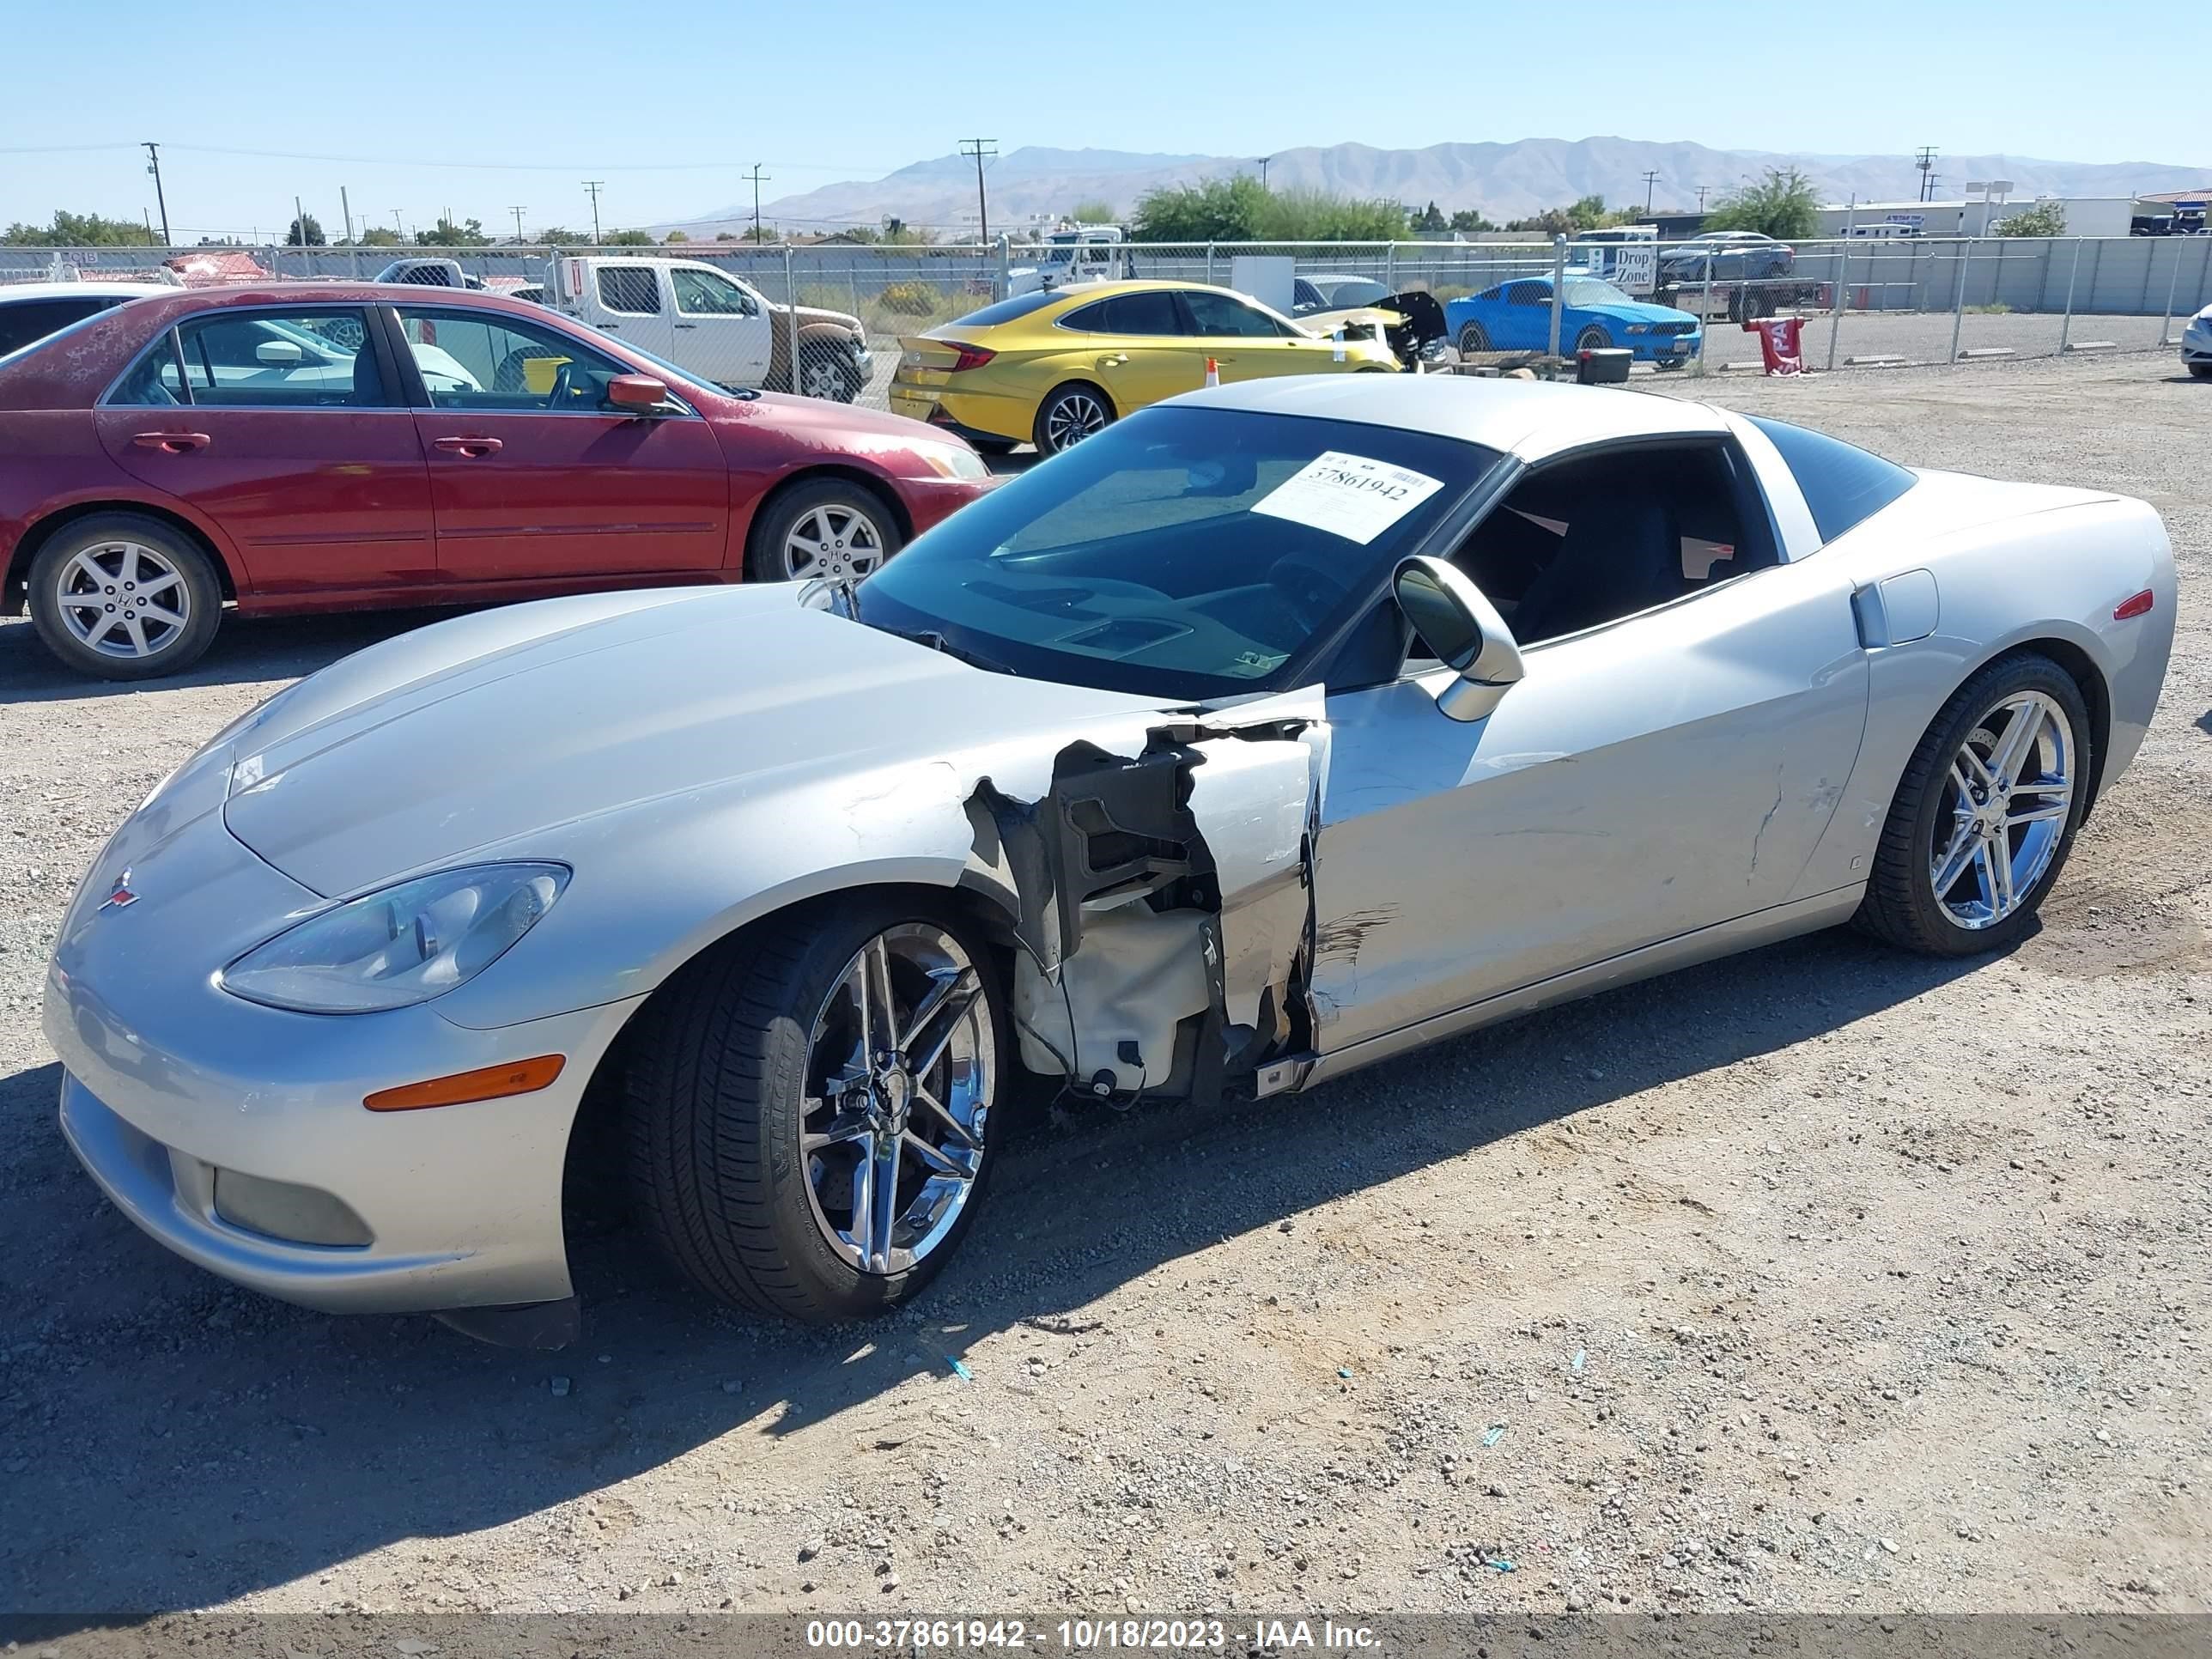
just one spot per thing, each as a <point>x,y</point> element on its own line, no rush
<point>828,319</point>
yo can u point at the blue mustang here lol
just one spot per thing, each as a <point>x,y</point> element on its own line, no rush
<point>1516,316</point>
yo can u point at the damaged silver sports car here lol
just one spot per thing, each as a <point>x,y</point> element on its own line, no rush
<point>1276,730</point>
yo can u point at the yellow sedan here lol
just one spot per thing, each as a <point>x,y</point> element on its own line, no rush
<point>1053,368</point>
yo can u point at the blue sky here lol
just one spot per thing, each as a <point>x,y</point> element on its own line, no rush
<point>482,107</point>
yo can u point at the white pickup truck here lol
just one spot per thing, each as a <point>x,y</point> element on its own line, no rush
<point>1085,253</point>
<point>715,325</point>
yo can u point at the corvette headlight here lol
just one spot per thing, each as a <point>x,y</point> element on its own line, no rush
<point>400,946</point>
<point>952,461</point>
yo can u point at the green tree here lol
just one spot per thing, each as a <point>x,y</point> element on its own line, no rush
<point>306,230</point>
<point>1216,210</point>
<point>631,239</point>
<point>1784,204</point>
<point>1470,220</point>
<point>899,233</point>
<point>2043,219</point>
<point>1432,218</point>
<point>79,230</point>
<point>560,236</point>
<point>445,233</point>
<point>1095,211</point>
<point>678,236</point>
<point>1315,216</point>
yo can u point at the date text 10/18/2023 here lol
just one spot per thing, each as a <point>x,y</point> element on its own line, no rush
<point>1071,1636</point>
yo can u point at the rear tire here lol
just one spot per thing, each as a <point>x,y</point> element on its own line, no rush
<point>1071,414</point>
<point>124,597</point>
<point>1943,793</point>
<point>727,1077</point>
<point>832,528</point>
<point>992,445</point>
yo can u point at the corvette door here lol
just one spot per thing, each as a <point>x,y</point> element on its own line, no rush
<point>1652,775</point>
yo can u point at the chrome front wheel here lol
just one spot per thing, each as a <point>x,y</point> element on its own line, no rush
<point>901,1078</point>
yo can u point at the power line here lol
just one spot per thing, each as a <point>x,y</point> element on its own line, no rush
<point>593,186</point>
<point>980,148</point>
<point>465,166</point>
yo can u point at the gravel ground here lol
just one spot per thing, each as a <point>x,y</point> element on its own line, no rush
<point>1821,1278</point>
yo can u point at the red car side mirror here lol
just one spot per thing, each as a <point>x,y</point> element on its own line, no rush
<point>640,393</point>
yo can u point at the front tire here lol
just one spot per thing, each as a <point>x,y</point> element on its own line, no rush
<point>124,597</point>
<point>1073,412</point>
<point>2201,371</point>
<point>1472,339</point>
<point>811,1107</point>
<point>1593,338</point>
<point>833,528</point>
<point>1985,813</point>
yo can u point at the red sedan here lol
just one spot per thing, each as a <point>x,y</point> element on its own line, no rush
<point>296,448</point>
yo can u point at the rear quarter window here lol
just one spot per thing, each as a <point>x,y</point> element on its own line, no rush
<point>1843,484</point>
<point>1006,311</point>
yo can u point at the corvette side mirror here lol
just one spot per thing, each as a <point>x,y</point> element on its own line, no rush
<point>1464,629</point>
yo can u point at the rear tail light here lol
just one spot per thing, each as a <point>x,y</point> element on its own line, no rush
<point>2136,604</point>
<point>1786,251</point>
<point>967,357</point>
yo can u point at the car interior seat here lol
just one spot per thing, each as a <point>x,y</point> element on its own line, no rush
<point>1620,555</point>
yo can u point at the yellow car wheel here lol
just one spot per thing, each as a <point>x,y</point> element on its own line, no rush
<point>1070,414</point>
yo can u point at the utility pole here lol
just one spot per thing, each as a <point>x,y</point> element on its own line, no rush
<point>396,226</point>
<point>154,167</point>
<point>1650,178</point>
<point>981,148</point>
<point>346,209</point>
<point>594,186</point>
<point>756,175</point>
<point>1264,159</point>
<point>518,211</point>
<point>1702,189</point>
<point>1926,162</point>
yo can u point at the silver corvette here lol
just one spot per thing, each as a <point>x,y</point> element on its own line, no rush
<point>1274,731</point>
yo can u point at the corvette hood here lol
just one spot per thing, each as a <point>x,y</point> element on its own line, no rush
<point>415,753</point>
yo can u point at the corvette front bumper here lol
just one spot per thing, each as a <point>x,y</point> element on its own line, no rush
<point>235,1135</point>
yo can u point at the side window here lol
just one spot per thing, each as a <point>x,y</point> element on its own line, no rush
<point>1086,319</point>
<point>1151,312</point>
<point>1588,540</point>
<point>309,358</point>
<point>480,361</point>
<point>710,294</point>
<point>1528,293</point>
<point>34,320</point>
<point>1842,484</point>
<point>155,381</point>
<point>1216,314</point>
<point>634,290</point>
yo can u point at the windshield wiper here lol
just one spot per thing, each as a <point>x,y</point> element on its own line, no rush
<point>937,641</point>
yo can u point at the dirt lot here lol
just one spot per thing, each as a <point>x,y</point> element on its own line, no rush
<point>1820,1278</point>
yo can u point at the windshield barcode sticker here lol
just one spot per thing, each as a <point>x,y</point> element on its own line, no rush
<point>1348,495</point>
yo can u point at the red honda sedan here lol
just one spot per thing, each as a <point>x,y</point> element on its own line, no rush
<point>340,446</point>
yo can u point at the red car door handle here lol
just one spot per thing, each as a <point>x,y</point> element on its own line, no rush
<point>470,446</point>
<point>172,443</point>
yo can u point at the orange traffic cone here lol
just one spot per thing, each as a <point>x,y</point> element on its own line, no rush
<point>1212,372</point>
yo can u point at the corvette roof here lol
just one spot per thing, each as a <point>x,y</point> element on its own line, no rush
<point>1532,419</point>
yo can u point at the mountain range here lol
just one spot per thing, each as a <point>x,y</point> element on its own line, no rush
<point>1503,180</point>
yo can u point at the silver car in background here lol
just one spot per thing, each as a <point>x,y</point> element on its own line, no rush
<point>1274,731</point>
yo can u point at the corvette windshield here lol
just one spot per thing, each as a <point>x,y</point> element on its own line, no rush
<point>1183,553</point>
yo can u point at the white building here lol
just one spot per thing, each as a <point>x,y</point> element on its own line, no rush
<point>2085,215</point>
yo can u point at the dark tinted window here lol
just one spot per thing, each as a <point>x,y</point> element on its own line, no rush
<point>631,288</point>
<point>1842,484</point>
<point>34,320</point>
<point>1151,312</point>
<point>1221,314</point>
<point>1007,310</point>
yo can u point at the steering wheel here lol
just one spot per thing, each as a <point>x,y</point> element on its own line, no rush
<point>1313,586</point>
<point>567,385</point>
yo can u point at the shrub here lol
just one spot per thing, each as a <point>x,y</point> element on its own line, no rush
<point>910,299</point>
